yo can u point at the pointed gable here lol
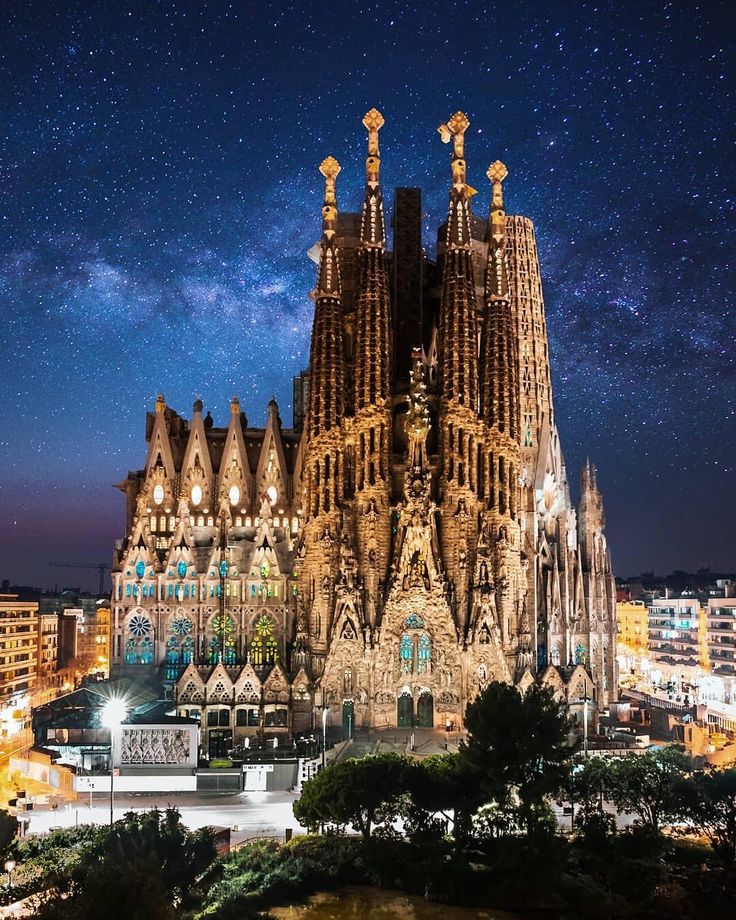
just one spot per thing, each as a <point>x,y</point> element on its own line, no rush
<point>276,686</point>
<point>190,688</point>
<point>159,446</point>
<point>272,475</point>
<point>197,480</point>
<point>219,686</point>
<point>579,685</point>
<point>235,478</point>
<point>525,681</point>
<point>248,686</point>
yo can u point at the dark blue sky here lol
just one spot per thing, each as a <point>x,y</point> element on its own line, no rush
<point>158,190</point>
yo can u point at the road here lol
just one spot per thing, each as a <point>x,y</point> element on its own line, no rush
<point>255,814</point>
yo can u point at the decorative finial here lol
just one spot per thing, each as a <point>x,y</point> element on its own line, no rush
<point>160,403</point>
<point>328,280</point>
<point>198,406</point>
<point>455,130</point>
<point>235,406</point>
<point>497,172</point>
<point>373,121</point>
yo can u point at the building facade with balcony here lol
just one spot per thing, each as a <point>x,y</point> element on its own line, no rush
<point>721,637</point>
<point>18,661</point>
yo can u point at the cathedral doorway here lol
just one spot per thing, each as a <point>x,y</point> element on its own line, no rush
<point>348,718</point>
<point>220,743</point>
<point>425,710</point>
<point>405,710</point>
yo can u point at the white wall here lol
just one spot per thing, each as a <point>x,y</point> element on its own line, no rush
<point>138,783</point>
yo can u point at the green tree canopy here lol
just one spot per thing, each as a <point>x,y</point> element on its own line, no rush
<point>648,785</point>
<point>709,801</point>
<point>517,743</point>
<point>360,793</point>
<point>142,868</point>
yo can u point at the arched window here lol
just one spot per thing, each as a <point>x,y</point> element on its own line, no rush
<point>187,651</point>
<point>146,651</point>
<point>131,651</point>
<point>214,650</point>
<point>272,650</point>
<point>173,656</point>
<point>406,653</point>
<point>580,654</point>
<point>424,653</point>
<point>229,657</point>
<point>256,651</point>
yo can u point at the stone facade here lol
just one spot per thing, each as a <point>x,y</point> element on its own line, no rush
<point>414,537</point>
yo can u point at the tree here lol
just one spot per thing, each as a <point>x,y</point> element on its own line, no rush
<point>142,868</point>
<point>648,785</point>
<point>361,793</point>
<point>517,744</point>
<point>709,801</point>
<point>590,784</point>
<point>440,785</point>
<point>8,830</point>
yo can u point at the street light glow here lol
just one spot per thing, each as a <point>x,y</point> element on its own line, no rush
<point>114,712</point>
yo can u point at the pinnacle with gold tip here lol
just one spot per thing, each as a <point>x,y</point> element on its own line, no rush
<point>329,167</point>
<point>497,171</point>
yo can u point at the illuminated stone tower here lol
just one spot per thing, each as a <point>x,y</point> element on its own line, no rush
<point>413,537</point>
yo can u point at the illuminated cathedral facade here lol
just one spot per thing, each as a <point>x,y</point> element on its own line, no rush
<point>412,537</point>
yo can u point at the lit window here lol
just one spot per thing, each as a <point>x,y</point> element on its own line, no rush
<point>272,494</point>
<point>158,494</point>
<point>234,495</point>
<point>196,494</point>
<point>406,653</point>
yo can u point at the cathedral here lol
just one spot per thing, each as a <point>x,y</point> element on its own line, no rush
<point>412,537</point>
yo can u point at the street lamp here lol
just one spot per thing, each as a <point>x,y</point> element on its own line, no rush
<point>586,700</point>
<point>325,709</point>
<point>113,713</point>
<point>9,866</point>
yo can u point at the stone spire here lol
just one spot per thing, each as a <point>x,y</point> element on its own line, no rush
<point>372,227</point>
<point>458,325</point>
<point>326,389</point>
<point>370,452</point>
<point>499,390</point>
<point>373,307</point>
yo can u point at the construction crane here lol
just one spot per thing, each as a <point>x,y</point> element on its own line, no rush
<point>101,567</point>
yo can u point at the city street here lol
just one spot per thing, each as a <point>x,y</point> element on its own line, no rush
<point>255,814</point>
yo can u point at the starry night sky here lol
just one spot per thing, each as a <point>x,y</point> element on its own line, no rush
<point>159,189</point>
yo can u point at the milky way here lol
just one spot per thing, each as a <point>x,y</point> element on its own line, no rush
<point>159,191</point>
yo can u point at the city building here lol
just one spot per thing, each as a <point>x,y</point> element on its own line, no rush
<point>19,626</point>
<point>678,649</point>
<point>633,627</point>
<point>49,678</point>
<point>413,536</point>
<point>721,624</point>
<point>83,632</point>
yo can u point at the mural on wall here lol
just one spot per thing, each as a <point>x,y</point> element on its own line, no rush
<point>155,745</point>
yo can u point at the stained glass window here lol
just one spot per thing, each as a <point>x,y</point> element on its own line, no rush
<point>256,651</point>
<point>139,626</point>
<point>580,654</point>
<point>229,657</point>
<point>181,626</point>
<point>272,650</point>
<point>264,625</point>
<point>265,569</point>
<point>214,650</point>
<point>172,658</point>
<point>187,650</point>
<point>414,621</point>
<point>131,651</point>
<point>146,651</point>
<point>406,653</point>
<point>140,569</point>
<point>424,653</point>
